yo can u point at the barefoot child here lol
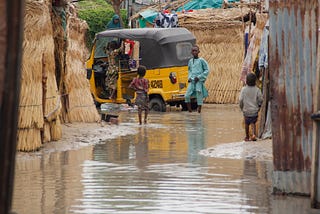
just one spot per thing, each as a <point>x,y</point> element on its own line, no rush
<point>198,70</point>
<point>141,87</point>
<point>250,103</point>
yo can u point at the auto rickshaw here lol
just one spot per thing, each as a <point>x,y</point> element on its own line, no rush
<point>116,55</point>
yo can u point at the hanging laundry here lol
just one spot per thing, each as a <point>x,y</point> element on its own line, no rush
<point>166,20</point>
<point>263,53</point>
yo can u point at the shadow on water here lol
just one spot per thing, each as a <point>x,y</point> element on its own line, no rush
<point>158,170</point>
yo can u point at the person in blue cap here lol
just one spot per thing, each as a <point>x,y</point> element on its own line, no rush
<point>114,23</point>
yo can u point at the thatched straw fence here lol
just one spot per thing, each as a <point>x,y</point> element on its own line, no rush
<point>220,36</point>
<point>40,97</point>
<point>71,54</point>
<point>38,68</point>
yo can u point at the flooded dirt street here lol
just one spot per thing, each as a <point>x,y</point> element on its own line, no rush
<point>179,162</point>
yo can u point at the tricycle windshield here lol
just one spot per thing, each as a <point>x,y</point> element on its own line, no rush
<point>183,50</point>
<point>103,44</point>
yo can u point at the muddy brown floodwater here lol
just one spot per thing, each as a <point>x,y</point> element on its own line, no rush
<point>179,162</point>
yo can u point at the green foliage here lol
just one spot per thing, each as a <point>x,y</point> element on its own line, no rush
<point>97,13</point>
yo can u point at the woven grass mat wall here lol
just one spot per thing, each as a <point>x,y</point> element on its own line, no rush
<point>219,34</point>
<point>223,49</point>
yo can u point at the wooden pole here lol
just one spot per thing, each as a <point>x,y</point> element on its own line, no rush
<point>243,24</point>
<point>250,15</point>
<point>10,48</point>
<point>44,92</point>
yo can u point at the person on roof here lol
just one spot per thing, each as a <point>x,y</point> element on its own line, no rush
<point>114,23</point>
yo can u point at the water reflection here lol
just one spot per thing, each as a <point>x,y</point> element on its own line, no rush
<point>158,170</point>
<point>47,183</point>
<point>196,133</point>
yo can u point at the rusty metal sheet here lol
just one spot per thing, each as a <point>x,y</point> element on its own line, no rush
<point>293,67</point>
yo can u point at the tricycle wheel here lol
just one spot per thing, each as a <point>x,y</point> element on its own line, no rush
<point>157,104</point>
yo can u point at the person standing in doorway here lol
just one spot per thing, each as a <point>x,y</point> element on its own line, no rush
<point>141,87</point>
<point>198,70</point>
<point>250,101</point>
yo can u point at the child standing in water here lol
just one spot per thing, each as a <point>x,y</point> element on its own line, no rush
<point>198,70</point>
<point>250,102</point>
<point>141,87</point>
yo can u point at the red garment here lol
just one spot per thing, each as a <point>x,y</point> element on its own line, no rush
<point>129,44</point>
<point>140,85</point>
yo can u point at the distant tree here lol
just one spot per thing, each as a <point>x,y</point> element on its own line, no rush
<point>97,13</point>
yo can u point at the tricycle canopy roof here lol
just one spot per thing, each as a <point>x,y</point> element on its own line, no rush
<point>158,47</point>
<point>160,35</point>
